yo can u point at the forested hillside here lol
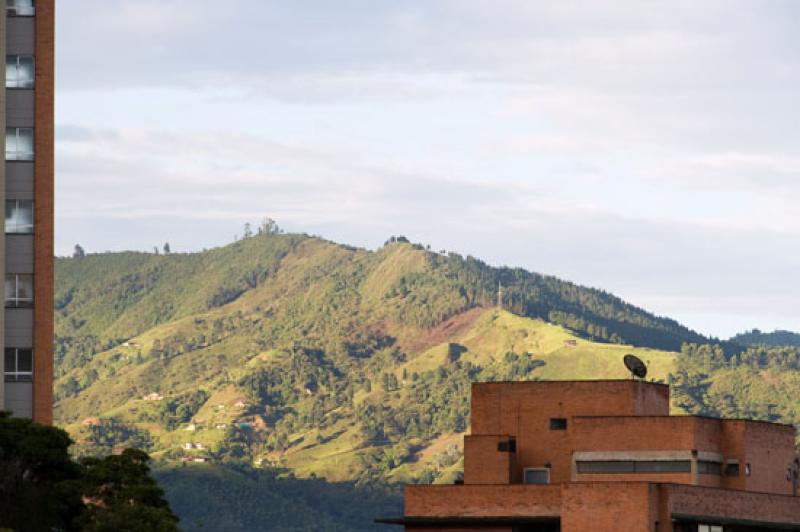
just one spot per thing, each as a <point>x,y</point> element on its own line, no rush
<point>775,338</point>
<point>304,360</point>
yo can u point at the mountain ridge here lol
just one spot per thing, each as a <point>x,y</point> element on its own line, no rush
<point>298,358</point>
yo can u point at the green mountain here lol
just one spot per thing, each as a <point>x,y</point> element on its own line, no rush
<point>273,363</point>
<point>775,338</point>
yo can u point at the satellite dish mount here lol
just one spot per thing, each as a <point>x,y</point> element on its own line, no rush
<point>635,365</point>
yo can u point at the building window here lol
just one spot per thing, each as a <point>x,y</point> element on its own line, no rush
<point>558,423</point>
<point>606,466</point>
<point>747,470</point>
<point>18,364</point>
<point>705,467</point>
<point>20,8</point>
<point>19,72</point>
<point>732,469</point>
<point>709,528</point>
<point>19,290</point>
<point>507,446</point>
<point>19,217</point>
<point>602,467</point>
<point>537,475</point>
<point>19,144</point>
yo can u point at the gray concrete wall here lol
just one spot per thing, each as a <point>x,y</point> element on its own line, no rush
<point>18,398</point>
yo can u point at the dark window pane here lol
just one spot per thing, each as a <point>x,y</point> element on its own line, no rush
<point>537,476</point>
<point>664,466</point>
<point>642,466</point>
<point>709,468</point>
<point>24,360</point>
<point>10,360</point>
<point>558,423</point>
<point>601,467</point>
<point>11,289</point>
<point>732,470</point>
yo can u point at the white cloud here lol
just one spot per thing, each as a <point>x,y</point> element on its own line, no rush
<point>647,149</point>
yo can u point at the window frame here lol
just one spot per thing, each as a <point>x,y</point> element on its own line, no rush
<point>536,469</point>
<point>18,57</point>
<point>558,423</point>
<point>16,205</point>
<point>17,131</point>
<point>12,7</point>
<point>17,375</point>
<point>16,300</point>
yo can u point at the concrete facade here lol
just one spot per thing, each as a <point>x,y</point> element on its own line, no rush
<point>27,177</point>
<point>605,455</point>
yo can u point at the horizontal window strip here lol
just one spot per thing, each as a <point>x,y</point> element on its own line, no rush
<point>634,466</point>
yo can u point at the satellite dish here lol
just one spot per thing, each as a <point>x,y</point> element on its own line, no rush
<point>635,366</point>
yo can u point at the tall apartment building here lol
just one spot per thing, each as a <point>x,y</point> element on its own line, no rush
<point>606,456</point>
<point>26,183</point>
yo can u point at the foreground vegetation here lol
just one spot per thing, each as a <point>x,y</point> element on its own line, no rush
<point>42,488</point>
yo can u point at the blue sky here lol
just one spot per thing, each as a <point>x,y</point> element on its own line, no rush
<point>649,149</point>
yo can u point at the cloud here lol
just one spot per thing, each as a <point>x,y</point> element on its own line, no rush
<point>647,149</point>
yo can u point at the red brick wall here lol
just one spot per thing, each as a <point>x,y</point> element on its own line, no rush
<point>637,434</point>
<point>484,464</point>
<point>612,506</point>
<point>770,450</point>
<point>524,409</point>
<point>732,504</point>
<point>479,501</point>
<point>613,416</point>
<point>733,447</point>
<point>43,250</point>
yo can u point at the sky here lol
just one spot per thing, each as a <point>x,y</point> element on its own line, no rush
<point>651,149</point>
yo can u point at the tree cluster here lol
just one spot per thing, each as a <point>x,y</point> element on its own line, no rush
<point>42,488</point>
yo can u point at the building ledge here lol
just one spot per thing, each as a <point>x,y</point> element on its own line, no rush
<point>455,520</point>
<point>733,522</point>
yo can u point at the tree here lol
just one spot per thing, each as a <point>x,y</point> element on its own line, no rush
<point>38,489</point>
<point>121,495</point>
<point>41,488</point>
<point>155,250</point>
<point>248,231</point>
<point>167,249</point>
<point>269,227</point>
<point>79,253</point>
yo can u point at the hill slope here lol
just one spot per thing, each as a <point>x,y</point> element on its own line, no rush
<point>775,338</point>
<point>301,357</point>
<point>297,355</point>
<point>333,361</point>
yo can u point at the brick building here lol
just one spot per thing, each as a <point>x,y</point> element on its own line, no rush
<point>27,35</point>
<point>607,456</point>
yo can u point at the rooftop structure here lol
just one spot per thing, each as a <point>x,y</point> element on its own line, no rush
<point>607,456</point>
